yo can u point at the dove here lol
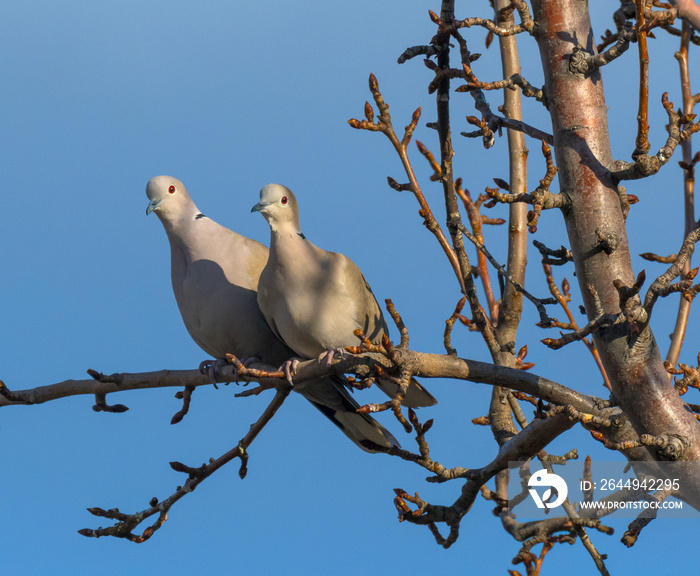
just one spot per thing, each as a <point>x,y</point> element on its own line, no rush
<point>215,274</point>
<point>314,299</point>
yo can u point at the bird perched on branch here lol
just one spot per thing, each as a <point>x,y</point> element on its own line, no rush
<point>314,299</point>
<point>215,274</point>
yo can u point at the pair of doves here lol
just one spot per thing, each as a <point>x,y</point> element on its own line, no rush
<point>236,297</point>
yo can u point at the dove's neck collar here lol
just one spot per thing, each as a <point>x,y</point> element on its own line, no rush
<point>285,227</point>
<point>183,223</point>
<point>286,234</point>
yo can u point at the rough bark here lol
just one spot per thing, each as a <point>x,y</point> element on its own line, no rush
<point>596,230</point>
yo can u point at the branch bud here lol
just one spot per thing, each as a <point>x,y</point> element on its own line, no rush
<point>416,116</point>
<point>412,418</point>
<point>502,184</point>
<point>369,113</point>
<point>178,467</point>
<point>373,85</point>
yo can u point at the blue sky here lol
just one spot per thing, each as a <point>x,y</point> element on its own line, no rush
<point>97,98</point>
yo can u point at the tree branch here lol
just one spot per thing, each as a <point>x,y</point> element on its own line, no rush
<point>126,523</point>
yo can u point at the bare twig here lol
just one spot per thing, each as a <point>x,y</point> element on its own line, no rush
<point>557,257</point>
<point>476,221</point>
<point>688,164</point>
<point>563,299</point>
<point>127,523</point>
<point>526,25</point>
<point>545,320</point>
<point>515,80</point>
<point>642,143</point>
<point>585,63</point>
<point>645,165</point>
<point>661,286</point>
<point>383,124</point>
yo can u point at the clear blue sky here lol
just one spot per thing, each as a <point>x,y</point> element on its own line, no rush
<point>228,96</point>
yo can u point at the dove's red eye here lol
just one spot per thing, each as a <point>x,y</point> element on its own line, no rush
<point>171,189</point>
<point>284,200</point>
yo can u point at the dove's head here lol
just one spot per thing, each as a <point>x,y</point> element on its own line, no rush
<point>167,197</point>
<point>278,205</point>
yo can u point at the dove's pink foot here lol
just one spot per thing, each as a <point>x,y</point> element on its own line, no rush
<point>290,368</point>
<point>329,354</point>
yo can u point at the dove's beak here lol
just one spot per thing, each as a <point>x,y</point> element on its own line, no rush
<point>153,204</point>
<point>259,207</point>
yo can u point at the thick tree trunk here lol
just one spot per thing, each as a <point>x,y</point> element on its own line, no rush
<point>596,229</point>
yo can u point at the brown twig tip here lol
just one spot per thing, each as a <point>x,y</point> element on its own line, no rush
<point>651,257</point>
<point>434,17</point>
<point>552,343</point>
<point>388,344</point>
<point>408,132</point>
<point>396,186</point>
<point>630,537</point>
<point>520,363</point>
<point>416,116</point>
<point>626,292</point>
<point>430,65</point>
<point>689,167</point>
<point>179,467</point>
<point>94,374</point>
<point>373,84</point>
<point>369,112</point>
<point>502,184</point>
<point>114,408</point>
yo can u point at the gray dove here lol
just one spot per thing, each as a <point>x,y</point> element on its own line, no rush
<point>215,274</point>
<point>314,299</point>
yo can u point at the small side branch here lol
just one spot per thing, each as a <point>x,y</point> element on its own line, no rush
<point>515,80</point>
<point>414,51</point>
<point>101,385</point>
<point>578,335</point>
<point>553,257</point>
<point>642,143</point>
<point>127,523</point>
<point>563,297</point>
<point>494,122</point>
<point>384,125</point>
<point>586,64</point>
<point>540,198</point>
<point>662,285</point>
<point>645,165</point>
<point>545,320</point>
<point>527,23</point>
<point>449,324</point>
